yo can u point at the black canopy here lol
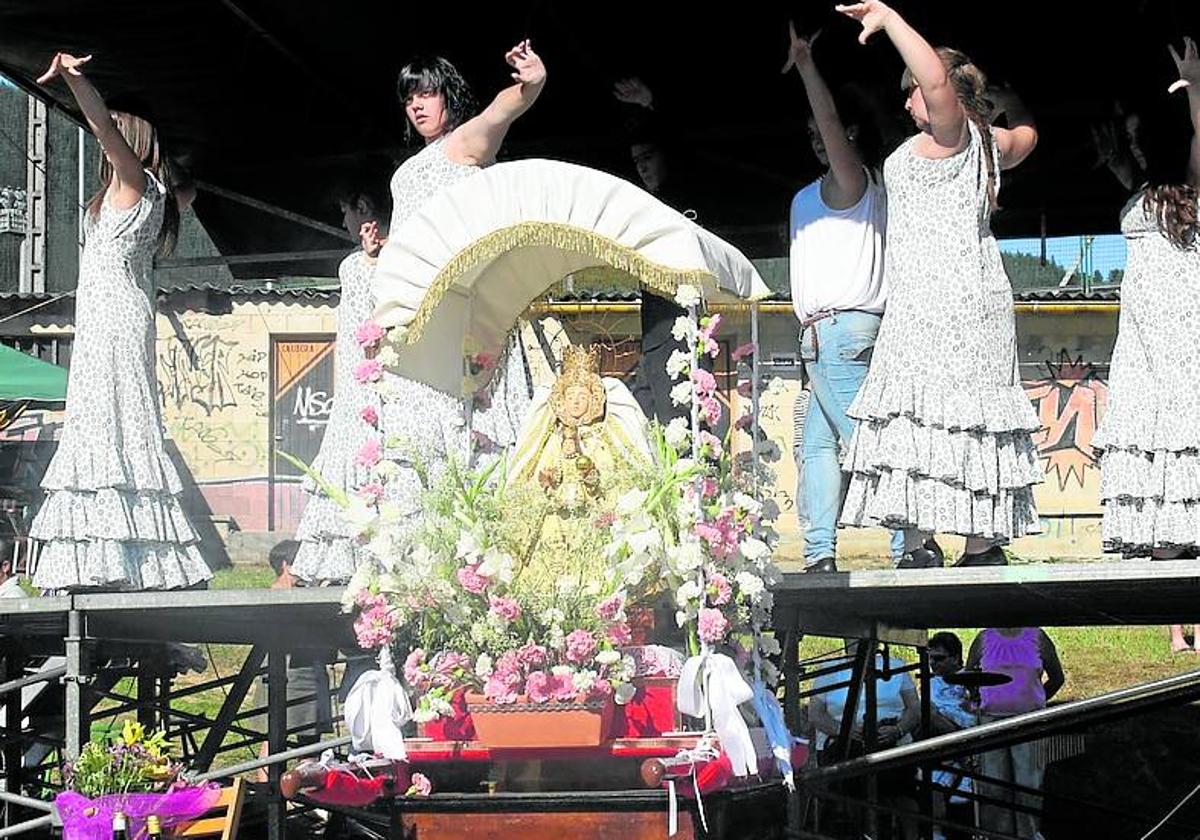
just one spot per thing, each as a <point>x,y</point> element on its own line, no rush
<point>280,100</point>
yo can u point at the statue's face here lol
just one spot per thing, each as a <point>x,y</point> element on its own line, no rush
<point>576,401</point>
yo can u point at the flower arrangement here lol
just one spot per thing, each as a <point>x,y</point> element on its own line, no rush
<point>454,597</point>
<point>133,762</point>
<point>132,773</point>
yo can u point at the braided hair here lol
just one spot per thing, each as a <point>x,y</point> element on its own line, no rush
<point>970,85</point>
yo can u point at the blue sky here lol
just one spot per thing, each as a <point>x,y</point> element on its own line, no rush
<point>1108,250</point>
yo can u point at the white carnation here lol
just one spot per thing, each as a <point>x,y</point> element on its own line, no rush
<point>683,329</point>
<point>681,394</point>
<point>679,363</point>
<point>677,433</point>
<point>687,295</point>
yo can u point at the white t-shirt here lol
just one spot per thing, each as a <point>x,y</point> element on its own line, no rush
<point>836,256</point>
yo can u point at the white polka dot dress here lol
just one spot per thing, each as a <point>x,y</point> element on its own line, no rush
<point>111,516</point>
<point>1149,439</point>
<point>943,435</point>
<point>424,427</point>
<point>328,551</point>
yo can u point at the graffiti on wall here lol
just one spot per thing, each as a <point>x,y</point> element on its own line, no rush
<point>1070,402</point>
<point>197,373</point>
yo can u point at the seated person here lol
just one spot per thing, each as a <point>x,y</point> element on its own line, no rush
<point>953,709</point>
<point>898,716</point>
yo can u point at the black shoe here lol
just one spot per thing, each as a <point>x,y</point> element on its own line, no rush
<point>994,556</point>
<point>825,564</point>
<point>928,556</point>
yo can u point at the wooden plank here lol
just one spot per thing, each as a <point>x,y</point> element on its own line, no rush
<point>545,826</point>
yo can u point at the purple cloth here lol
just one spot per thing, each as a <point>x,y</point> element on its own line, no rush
<point>1019,657</point>
<point>91,819</point>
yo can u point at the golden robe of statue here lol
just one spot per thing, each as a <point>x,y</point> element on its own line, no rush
<point>583,445</point>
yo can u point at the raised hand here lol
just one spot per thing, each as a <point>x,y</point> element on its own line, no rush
<point>527,64</point>
<point>872,14</point>
<point>799,49</point>
<point>633,91</point>
<point>1188,65</point>
<point>63,64</point>
<point>372,240</point>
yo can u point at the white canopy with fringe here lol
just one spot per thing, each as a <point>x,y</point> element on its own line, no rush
<point>456,275</point>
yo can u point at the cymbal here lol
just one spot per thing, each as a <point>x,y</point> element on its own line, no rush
<point>977,679</point>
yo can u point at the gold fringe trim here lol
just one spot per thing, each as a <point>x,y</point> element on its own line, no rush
<point>666,281</point>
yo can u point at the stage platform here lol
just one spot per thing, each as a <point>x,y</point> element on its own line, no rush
<point>900,605</point>
<point>275,618</point>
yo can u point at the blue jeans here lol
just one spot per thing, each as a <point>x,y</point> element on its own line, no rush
<point>836,352</point>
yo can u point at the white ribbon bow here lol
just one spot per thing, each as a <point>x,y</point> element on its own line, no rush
<point>716,676</point>
<point>376,709</point>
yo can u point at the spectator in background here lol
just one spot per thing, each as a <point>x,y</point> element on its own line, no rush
<point>897,714</point>
<point>10,584</point>
<point>1028,656</point>
<point>310,708</point>
<point>660,177</point>
<point>953,709</point>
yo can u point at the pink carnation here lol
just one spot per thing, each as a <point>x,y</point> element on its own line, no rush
<point>508,664</point>
<point>564,687</point>
<point>370,454</point>
<point>374,627</point>
<point>712,625</point>
<point>744,388</point>
<point>710,407</point>
<point>743,350</point>
<point>506,608</point>
<point>744,422</point>
<point>719,590</point>
<point>445,665</point>
<point>620,634</point>
<point>721,535</point>
<point>581,646</point>
<point>368,370</point>
<point>712,442</point>
<point>704,381</point>
<point>502,687</point>
<point>601,688</point>
<point>612,608</point>
<point>539,686</point>
<point>369,334</point>
<point>531,655</point>
<point>481,362</point>
<point>372,492</point>
<point>370,416</point>
<point>713,324</point>
<point>419,785</point>
<point>470,579</point>
<point>414,675</point>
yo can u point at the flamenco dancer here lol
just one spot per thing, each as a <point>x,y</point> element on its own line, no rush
<point>112,516</point>
<point>328,552</point>
<point>1148,440</point>
<point>942,440</point>
<point>458,142</point>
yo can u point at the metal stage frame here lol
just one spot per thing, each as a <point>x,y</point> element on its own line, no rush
<point>898,607</point>
<point>110,648</point>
